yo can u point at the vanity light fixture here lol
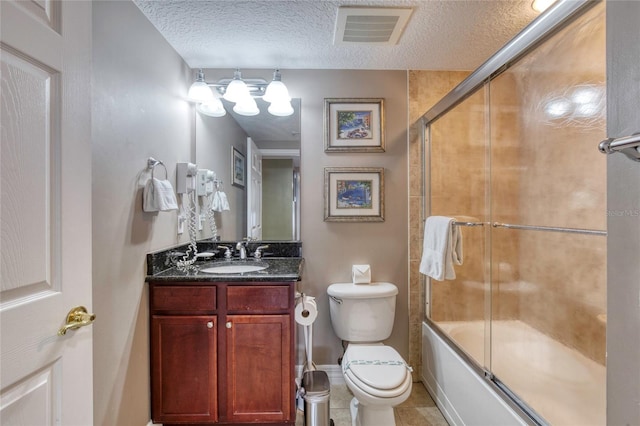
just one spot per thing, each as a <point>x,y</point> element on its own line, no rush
<point>241,92</point>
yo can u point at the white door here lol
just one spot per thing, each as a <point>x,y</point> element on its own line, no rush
<point>45,213</point>
<point>254,191</point>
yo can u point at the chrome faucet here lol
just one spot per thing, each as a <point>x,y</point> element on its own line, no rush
<point>242,248</point>
<point>258,253</point>
<point>227,252</point>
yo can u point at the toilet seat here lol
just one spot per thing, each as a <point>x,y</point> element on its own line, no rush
<point>377,370</point>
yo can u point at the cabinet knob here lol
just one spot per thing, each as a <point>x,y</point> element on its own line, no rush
<point>229,324</point>
<point>210,324</point>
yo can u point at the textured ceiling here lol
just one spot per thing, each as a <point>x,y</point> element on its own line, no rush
<point>298,34</point>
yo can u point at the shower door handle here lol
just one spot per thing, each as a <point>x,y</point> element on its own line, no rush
<point>628,145</point>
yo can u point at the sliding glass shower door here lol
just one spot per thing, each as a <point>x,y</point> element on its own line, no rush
<point>515,163</point>
<point>550,351</point>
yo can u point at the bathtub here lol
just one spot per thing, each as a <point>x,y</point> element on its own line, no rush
<point>538,369</point>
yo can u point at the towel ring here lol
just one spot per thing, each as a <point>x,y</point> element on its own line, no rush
<point>152,163</point>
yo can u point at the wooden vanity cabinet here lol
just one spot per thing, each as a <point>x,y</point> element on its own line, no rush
<point>222,353</point>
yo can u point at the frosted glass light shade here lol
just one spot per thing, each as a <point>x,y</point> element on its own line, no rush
<point>280,108</point>
<point>246,106</point>
<point>199,92</point>
<point>276,92</point>
<point>212,108</point>
<point>236,90</point>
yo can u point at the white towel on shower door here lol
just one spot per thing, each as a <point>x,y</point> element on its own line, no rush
<point>442,248</point>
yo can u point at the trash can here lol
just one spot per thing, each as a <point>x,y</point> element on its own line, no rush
<point>316,398</point>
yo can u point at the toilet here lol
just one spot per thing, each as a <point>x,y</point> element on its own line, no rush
<point>378,377</point>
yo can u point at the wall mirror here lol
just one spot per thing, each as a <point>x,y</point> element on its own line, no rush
<point>267,206</point>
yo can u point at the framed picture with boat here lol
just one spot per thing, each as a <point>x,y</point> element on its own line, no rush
<point>354,125</point>
<point>354,194</point>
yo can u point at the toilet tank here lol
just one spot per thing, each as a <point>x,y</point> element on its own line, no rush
<point>362,312</point>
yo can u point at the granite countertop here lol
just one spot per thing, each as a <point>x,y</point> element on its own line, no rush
<point>279,269</point>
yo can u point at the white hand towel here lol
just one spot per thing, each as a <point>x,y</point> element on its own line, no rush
<point>158,195</point>
<point>216,204</point>
<point>442,248</point>
<point>224,202</point>
<point>361,274</point>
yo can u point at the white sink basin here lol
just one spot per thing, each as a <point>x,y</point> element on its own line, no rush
<point>233,269</point>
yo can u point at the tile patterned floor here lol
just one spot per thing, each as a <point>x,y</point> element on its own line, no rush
<point>418,410</point>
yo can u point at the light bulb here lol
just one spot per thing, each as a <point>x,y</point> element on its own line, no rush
<point>199,90</point>
<point>280,108</point>
<point>246,106</point>
<point>212,108</point>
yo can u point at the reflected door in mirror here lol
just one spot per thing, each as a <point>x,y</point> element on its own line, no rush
<point>254,191</point>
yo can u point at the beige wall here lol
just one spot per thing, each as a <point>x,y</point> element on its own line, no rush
<point>623,222</point>
<point>139,84</point>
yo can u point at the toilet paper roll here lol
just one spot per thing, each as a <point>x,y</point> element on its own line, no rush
<point>306,311</point>
<point>361,274</point>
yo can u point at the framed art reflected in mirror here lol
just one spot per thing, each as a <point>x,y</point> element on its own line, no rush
<point>238,168</point>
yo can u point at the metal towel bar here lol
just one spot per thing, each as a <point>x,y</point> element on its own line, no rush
<point>628,145</point>
<point>468,223</point>
<point>534,228</point>
<point>550,228</point>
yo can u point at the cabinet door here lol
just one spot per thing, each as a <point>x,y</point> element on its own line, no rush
<point>259,368</point>
<point>184,369</point>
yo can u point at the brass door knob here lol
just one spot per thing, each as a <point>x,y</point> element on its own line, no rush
<point>76,318</point>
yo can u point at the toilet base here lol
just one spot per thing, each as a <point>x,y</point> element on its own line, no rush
<point>371,415</point>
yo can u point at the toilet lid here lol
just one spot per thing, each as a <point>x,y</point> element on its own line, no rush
<point>377,366</point>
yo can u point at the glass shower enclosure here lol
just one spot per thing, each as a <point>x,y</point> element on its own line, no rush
<point>514,163</point>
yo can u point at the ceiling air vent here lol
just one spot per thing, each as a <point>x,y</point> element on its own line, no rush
<point>370,25</point>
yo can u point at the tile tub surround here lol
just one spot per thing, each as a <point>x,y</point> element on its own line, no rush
<point>418,410</point>
<point>425,89</point>
<point>163,259</point>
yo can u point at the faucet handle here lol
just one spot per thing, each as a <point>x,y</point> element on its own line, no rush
<point>227,251</point>
<point>258,253</point>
